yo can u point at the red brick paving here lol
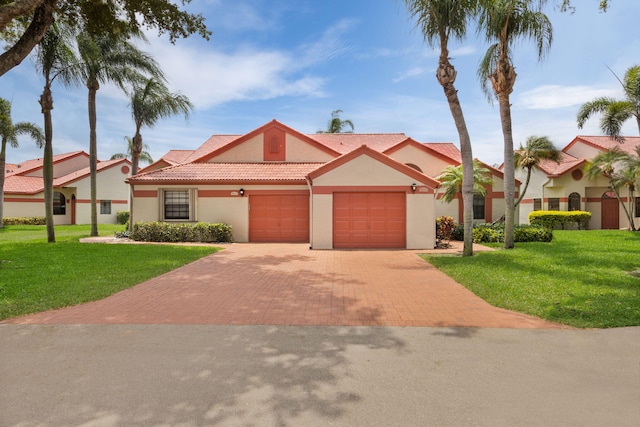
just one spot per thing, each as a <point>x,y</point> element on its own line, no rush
<point>288,284</point>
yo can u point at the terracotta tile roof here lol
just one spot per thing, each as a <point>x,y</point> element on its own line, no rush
<point>33,164</point>
<point>446,149</point>
<point>606,143</point>
<point>229,172</point>
<point>346,142</point>
<point>18,184</point>
<point>210,145</point>
<point>176,157</point>
<point>567,163</point>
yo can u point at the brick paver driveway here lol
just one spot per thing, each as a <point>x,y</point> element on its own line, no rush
<point>288,284</point>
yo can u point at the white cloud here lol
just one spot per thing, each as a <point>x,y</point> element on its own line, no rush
<point>413,72</point>
<point>554,96</point>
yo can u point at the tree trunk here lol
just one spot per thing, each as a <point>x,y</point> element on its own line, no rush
<point>46,103</point>
<point>509,172</point>
<point>93,156</point>
<point>136,149</point>
<point>42,19</point>
<point>446,75</point>
<point>3,163</point>
<point>526,185</point>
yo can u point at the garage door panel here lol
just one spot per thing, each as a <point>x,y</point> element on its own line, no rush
<point>279,218</point>
<point>369,220</point>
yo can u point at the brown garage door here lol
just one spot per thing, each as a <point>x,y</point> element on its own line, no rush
<point>279,218</point>
<point>369,220</point>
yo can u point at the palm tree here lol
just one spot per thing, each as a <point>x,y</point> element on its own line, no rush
<point>615,112</point>
<point>107,59</point>
<point>452,178</point>
<point>504,22</point>
<point>606,164</point>
<point>149,103</point>
<point>439,21</point>
<point>9,133</point>
<point>144,154</point>
<point>54,56</point>
<point>336,124</point>
<point>536,148</point>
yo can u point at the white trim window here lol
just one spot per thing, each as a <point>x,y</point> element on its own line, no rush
<point>177,204</point>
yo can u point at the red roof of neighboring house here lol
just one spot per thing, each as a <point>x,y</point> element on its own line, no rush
<point>346,142</point>
<point>33,164</point>
<point>606,143</point>
<point>18,184</point>
<point>567,163</point>
<point>212,144</point>
<point>447,149</point>
<point>229,172</point>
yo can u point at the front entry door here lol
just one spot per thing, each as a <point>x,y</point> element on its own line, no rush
<point>610,211</point>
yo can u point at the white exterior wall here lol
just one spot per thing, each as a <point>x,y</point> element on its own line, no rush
<point>110,186</point>
<point>32,206</point>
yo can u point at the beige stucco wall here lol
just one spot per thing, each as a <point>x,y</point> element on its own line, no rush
<point>421,220</point>
<point>301,151</point>
<point>322,221</point>
<point>110,186</point>
<point>24,209</point>
<point>364,171</point>
<point>582,151</point>
<point>65,167</point>
<point>251,150</point>
<point>430,165</point>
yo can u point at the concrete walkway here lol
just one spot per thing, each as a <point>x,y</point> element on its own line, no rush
<point>288,284</point>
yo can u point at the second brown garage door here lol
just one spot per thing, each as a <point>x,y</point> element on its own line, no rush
<point>279,218</point>
<point>369,220</point>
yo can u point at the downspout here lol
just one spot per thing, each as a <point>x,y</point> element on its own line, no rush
<point>310,211</point>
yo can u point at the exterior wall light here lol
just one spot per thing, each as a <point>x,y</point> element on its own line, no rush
<point>241,192</point>
<point>413,187</point>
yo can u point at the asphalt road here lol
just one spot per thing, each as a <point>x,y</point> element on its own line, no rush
<point>172,375</point>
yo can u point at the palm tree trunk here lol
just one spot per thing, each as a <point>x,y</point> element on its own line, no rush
<point>93,156</point>
<point>446,75</point>
<point>526,186</point>
<point>509,171</point>
<point>46,102</point>
<point>3,162</point>
<point>624,206</point>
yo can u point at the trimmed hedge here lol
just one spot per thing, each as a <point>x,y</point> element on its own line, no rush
<point>179,232</point>
<point>560,219</point>
<point>33,220</point>
<point>488,233</point>
<point>122,217</point>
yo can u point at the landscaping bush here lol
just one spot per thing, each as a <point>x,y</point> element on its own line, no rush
<point>122,217</point>
<point>490,233</point>
<point>444,229</point>
<point>560,219</point>
<point>33,220</point>
<point>180,232</point>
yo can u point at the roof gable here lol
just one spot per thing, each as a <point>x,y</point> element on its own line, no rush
<point>364,150</point>
<point>217,149</point>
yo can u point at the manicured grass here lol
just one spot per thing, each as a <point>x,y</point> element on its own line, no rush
<point>37,276</point>
<point>586,279</point>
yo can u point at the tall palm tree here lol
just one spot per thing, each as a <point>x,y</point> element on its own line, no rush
<point>337,125</point>
<point>9,133</point>
<point>607,164</point>
<point>452,178</point>
<point>54,56</point>
<point>108,59</point>
<point>151,102</point>
<point>439,21</point>
<point>536,148</point>
<point>504,22</point>
<point>615,112</point>
<point>145,156</point>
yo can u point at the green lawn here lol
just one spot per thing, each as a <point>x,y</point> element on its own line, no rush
<point>37,276</point>
<point>586,279</point>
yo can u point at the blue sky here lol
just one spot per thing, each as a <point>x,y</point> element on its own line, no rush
<point>296,61</point>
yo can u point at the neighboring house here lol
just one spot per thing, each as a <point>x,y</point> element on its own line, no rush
<point>24,189</point>
<point>331,190</point>
<point>564,186</point>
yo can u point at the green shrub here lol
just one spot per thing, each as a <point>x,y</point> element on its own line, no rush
<point>180,232</point>
<point>122,217</point>
<point>33,220</point>
<point>489,233</point>
<point>560,219</point>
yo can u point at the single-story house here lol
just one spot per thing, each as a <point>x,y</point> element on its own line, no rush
<point>24,189</point>
<point>331,190</point>
<point>564,186</point>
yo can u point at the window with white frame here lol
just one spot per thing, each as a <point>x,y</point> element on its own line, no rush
<point>177,205</point>
<point>105,207</point>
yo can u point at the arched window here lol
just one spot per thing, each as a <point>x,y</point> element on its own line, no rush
<point>416,167</point>
<point>574,202</point>
<point>59,204</point>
